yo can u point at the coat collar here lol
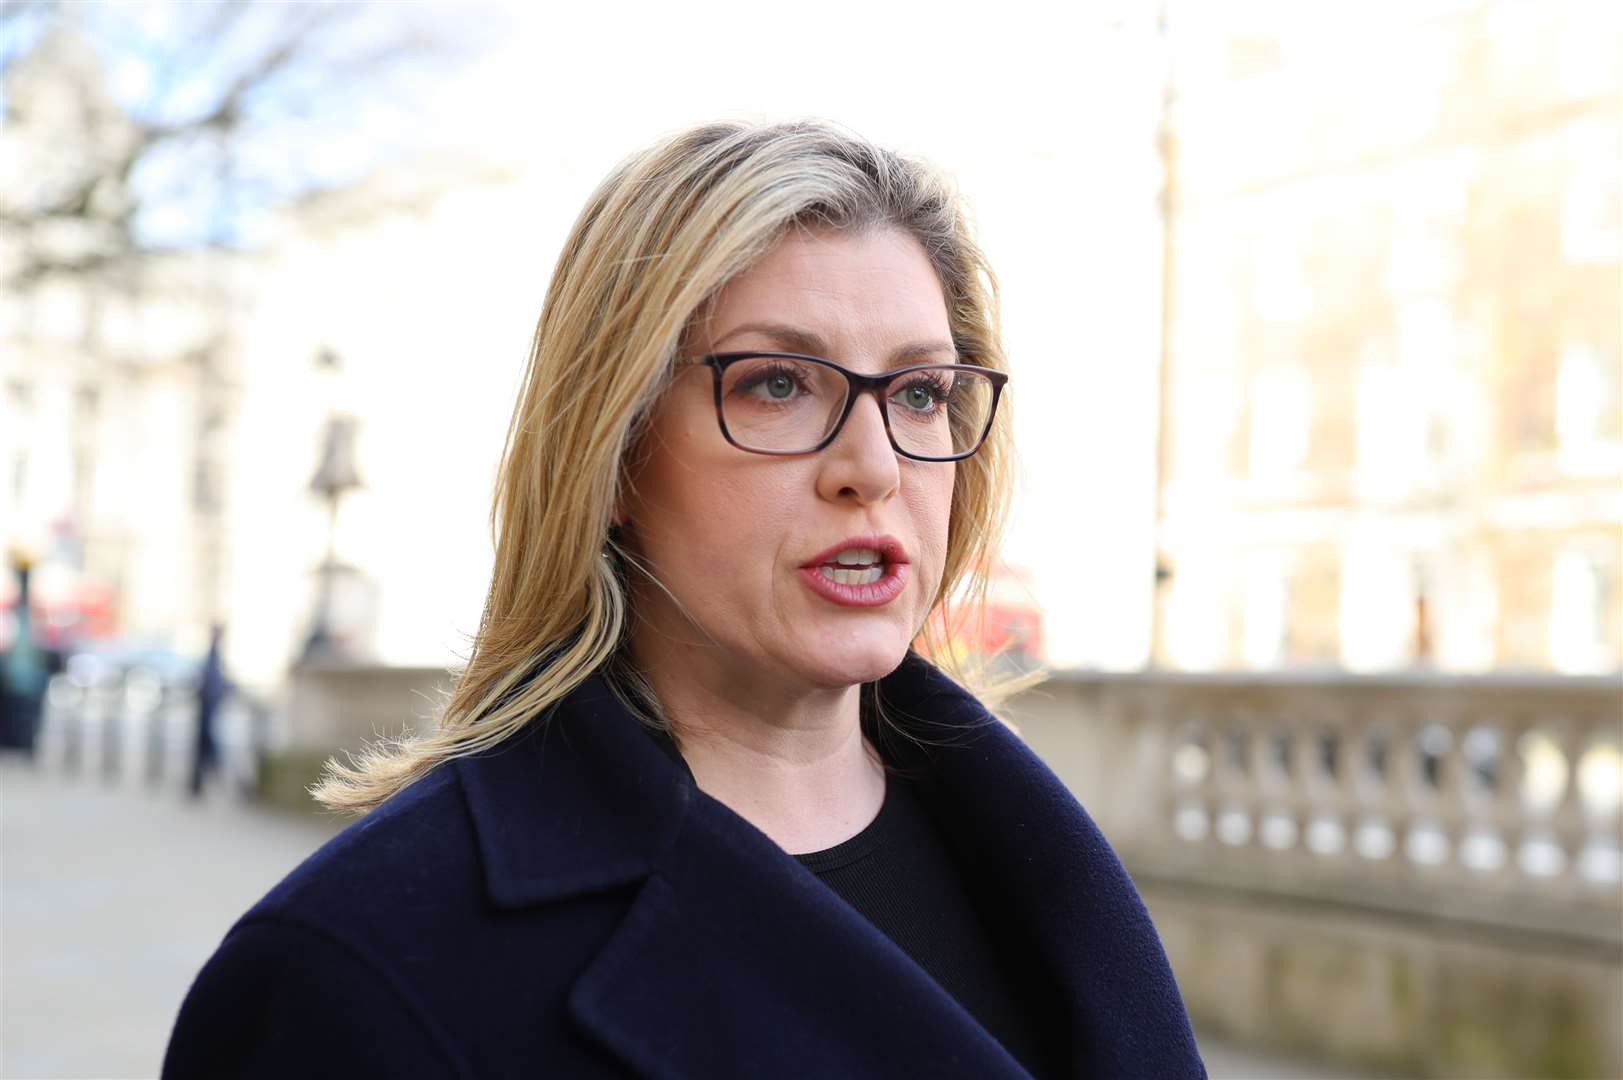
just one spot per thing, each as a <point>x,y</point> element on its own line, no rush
<point>587,801</point>
<point>579,802</point>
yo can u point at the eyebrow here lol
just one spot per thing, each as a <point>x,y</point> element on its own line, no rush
<point>794,339</point>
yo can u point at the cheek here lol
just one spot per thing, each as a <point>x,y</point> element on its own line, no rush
<point>932,511</point>
<point>674,489</point>
<point>725,525</point>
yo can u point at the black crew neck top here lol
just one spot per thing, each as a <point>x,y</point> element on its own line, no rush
<point>900,874</point>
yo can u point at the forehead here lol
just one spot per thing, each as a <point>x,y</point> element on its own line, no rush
<point>830,291</point>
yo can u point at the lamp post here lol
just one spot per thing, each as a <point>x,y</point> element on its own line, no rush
<point>335,474</point>
<point>1166,204</point>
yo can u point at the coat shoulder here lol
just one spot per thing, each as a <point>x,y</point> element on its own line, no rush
<point>279,999</point>
<point>317,974</point>
<point>394,913</point>
<point>414,850</point>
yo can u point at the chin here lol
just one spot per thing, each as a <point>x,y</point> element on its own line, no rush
<point>857,659</point>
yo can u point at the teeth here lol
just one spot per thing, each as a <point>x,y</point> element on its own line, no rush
<point>853,577</point>
<point>858,557</point>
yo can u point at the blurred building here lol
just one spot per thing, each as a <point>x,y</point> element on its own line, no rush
<point>162,413</point>
<point>1392,426</point>
<point>115,386</point>
<point>1392,429</point>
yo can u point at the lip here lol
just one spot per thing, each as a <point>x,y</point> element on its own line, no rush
<point>874,594</point>
<point>890,549</point>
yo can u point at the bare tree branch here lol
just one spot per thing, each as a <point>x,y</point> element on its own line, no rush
<point>103,164</point>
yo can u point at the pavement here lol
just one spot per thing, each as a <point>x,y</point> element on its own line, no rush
<point>112,897</point>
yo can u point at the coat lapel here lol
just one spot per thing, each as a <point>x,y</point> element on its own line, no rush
<point>733,959</point>
<point>736,961</point>
<point>1016,827</point>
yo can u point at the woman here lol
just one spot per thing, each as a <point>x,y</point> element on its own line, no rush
<point>694,808</point>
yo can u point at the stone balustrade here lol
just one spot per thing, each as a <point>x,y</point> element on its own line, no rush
<point>1492,796</point>
<point>1412,872</point>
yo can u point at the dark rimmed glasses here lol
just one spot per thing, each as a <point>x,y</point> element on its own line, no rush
<point>791,403</point>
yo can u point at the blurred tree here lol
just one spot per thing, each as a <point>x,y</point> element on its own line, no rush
<point>144,147</point>
<point>138,129</point>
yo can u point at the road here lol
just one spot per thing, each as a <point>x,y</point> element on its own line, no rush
<point>111,898</point>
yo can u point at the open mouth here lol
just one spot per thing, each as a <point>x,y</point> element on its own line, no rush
<point>853,574</point>
<point>864,571</point>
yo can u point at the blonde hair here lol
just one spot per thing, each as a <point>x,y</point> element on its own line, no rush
<point>657,239</point>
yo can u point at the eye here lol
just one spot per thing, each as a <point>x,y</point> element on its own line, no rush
<point>924,393</point>
<point>919,396</point>
<point>779,382</point>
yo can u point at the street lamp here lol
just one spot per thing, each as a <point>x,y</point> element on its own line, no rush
<point>335,475</point>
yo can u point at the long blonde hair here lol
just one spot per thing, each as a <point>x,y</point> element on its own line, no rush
<point>665,230</point>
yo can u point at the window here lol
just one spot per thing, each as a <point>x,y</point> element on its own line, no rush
<point>1586,400</point>
<point>1197,626</point>
<point>1581,588</point>
<point>1281,419</point>
<point>1592,211</point>
<point>1207,405</point>
<point>1266,640</point>
<point>1377,610</point>
<point>1392,428</point>
<point>1282,291</point>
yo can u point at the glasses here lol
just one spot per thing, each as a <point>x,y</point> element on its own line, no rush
<point>790,403</point>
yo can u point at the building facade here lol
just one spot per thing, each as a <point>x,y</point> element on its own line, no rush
<point>1392,423</point>
<point>116,383</point>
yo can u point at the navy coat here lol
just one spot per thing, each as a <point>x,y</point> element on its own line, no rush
<point>570,904</point>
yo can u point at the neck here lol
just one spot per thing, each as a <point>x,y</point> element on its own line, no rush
<point>793,762</point>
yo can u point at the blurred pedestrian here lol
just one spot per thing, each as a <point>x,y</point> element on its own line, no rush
<point>212,688</point>
<point>24,670</point>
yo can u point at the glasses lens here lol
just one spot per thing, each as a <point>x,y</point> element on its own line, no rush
<point>939,411</point>
<point>775,403</point>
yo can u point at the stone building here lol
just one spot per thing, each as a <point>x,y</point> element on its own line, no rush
<point>1392,431</point>
<point>116,384</point>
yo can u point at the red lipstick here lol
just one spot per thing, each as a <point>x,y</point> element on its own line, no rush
<point>856,585</point>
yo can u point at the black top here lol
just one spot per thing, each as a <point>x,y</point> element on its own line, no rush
<point>899,873</point>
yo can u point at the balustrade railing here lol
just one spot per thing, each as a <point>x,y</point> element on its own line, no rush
<point>1493,797</point>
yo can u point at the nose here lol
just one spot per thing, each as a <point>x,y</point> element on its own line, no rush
<point>860,463</point>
